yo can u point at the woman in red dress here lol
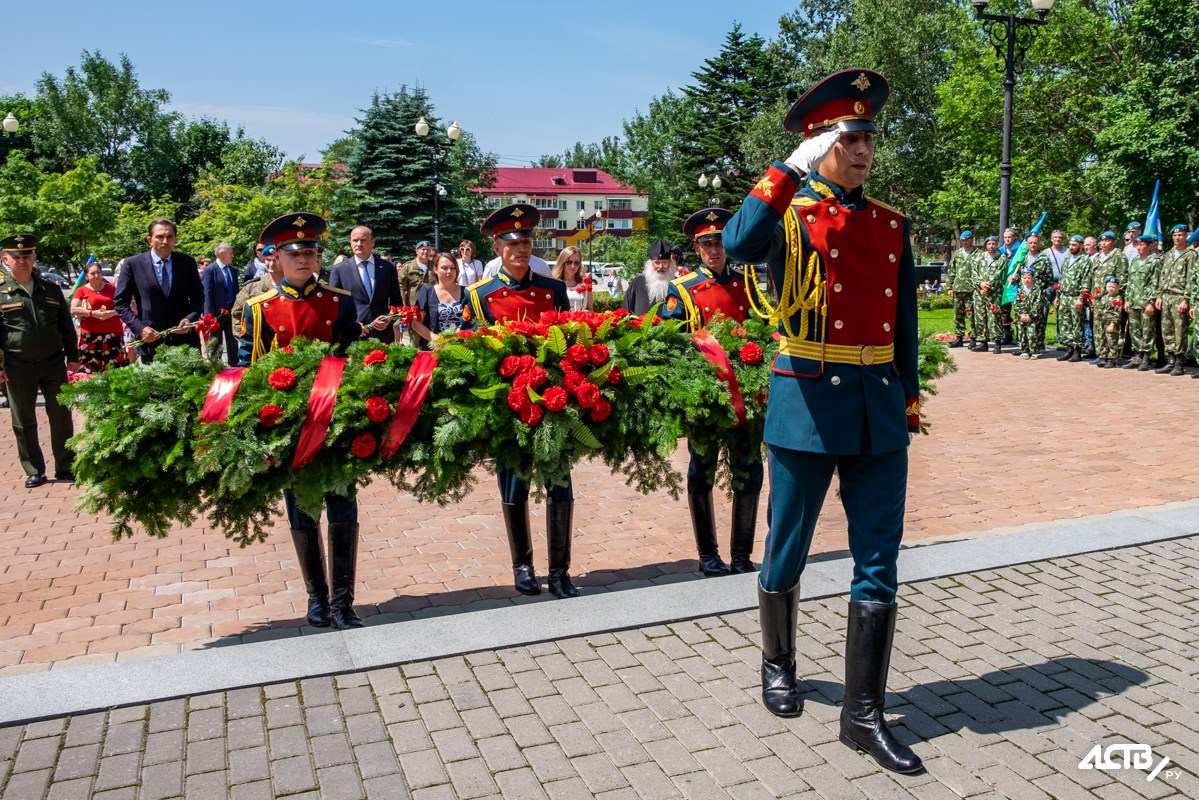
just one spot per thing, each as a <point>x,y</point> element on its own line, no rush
<point>100,345</point>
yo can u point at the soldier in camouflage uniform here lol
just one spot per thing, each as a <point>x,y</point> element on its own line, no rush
<point>1074,279</point>
<point>989,271</point>
<point>960,278</point>
<point>1043,272</point>
<point>1028,309</point>
<point>1177,272</point>
<point>1109,312</point>
<point>1108,261</point>
<point>1141,294</point>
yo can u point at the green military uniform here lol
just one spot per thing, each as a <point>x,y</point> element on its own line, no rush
<point>1108,343</point>
<point>1105,264</point>
<point>1031,302</point>
<point>1173,289</point>
<point>1075,278</point>
<point>412,277</point>
<point>988,311</point>
<point>1143,275</point>
<point>37,339</point>
<point>960,279</point>
<point>1043,269</point>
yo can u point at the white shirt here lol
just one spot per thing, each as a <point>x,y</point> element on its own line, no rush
<point>536,264</point>
<point>469,273</point>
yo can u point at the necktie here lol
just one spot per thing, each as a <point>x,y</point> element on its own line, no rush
<point>164,277</point>
<point>367,281</point>
<point>228,282</point>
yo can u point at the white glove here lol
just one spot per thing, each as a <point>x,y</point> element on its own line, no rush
<point>811,152</point>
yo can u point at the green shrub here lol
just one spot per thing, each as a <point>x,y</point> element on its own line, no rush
<point>939,301</point>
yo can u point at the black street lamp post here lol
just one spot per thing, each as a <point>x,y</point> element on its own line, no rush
<point>715,183</point>
<point>453,132</point>
<point>1010,36</point>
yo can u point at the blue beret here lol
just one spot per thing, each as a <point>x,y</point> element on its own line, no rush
<point>1111,279</point>
<point>991,239</point>
<point>422,243</point>
<point>1194,237</point>
<point>1029,271</point>
<point>966,235</point>
<point>1134,225</point>
<point>270,248</point>
<point>1180,227</point>
<point>1147,238</point>
<point>1107,235</point>
<point>1076,238</point>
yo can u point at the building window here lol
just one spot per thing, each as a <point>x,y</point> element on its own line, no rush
<point>543,244</point>
<point>561,205</point>
<point>599,205</point>
<point>580,205</point>
<point>561,224</point>
<point>620,204</point>
<point>545,202</point>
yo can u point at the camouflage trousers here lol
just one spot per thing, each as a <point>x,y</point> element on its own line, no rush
<point>1027,336</point>
<point>961,303</point>
<point>1174,324</point>
<point>1141,329</point>
<point>1070,321</point>
<point>988,325</point>
<point>1108,344</point>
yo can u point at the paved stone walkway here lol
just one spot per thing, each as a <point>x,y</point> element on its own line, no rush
<point>1002,680</point>
<point>69,596</point>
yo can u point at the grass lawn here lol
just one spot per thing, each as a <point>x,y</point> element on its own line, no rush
<point>941,321</point>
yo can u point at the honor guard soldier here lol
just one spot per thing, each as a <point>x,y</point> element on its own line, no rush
<point>717,287</point>
<point>303,306</point>
<point>844,394</point>
<point>38,344</point>
<point>517,293</point>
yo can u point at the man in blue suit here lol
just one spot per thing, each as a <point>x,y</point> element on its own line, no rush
<point>373,283</point>
<point>220,291</point>
<point>166,287</point>
<point>844,394</point>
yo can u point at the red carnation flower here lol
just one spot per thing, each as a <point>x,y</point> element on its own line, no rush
<point>509,366</point>
<point>614,376</point>
<point>750,353</point>
<point>555,398</point>
<point>518,399</point>
<point>287,348</point>
<point>577,353</point>
<point>588,395</point>
<point>738,332</point>
<point>573,380</point>
<point>526,363</point>
<point>994,309</point>
<point>374,357</point>
<point>531,415</point>
<point>602,410</point>
<point>536,377</point>
<point>465,334</point>
<point>269,416</point>
<point>377,409</point>
<point>599,354</point>
<point>968,309</point>
<point>282,379</point>
<point>364,445</point>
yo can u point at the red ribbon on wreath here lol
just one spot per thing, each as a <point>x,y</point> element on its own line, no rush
<point>320,410</point>
<point>408,406</point>
<point>712,351</point>
<point>220,395</point>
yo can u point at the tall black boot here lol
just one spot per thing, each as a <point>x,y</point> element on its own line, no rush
<point>867,659</point>
<point>312,569</point>
<point>703,522</point>
<point>745,524</point>
<point>1167,367</point>
<point>520,543</point>
<point>559,527</point>
<point>343,568</point>
<point>779,612</point>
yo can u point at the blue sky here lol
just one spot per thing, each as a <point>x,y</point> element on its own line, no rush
<point>296,73</point>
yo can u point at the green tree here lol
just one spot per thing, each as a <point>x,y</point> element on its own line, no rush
<point>127,236</point>
<point>20,182</point>
<point>248,162</point>
<point>605,155</point>
<point>662,159</point>
<point>24,110</point>
<point>75,210</point>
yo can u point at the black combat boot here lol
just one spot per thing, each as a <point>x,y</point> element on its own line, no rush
<point>1146,363</point>
<point>997,350</point>
<point>703,522</point>
<point>343,568</point>
<point>978,345</point>
<point>1089,353</point>
<point>1066,356</point>
<point>520,544</point>
<point>778,612</point>
<point>958,342</point>
<point>1133,362</point>
<point>559,524</point>
<point>1076,356</point>
<point>741,541</point>
<point>867,659</point>
<point>312,569</point>
<point>1180,366</point>
<point>1168,367</point>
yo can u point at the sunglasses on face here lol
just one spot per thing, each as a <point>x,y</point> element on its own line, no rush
<point>574,261</point>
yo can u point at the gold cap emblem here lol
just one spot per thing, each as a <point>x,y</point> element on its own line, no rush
<point>712,217</point>
<point>859,107</point>
<point>299,222</point>
<point>862,82</point>
<point>516,212</point>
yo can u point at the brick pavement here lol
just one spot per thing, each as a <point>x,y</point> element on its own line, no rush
<point>1002,680</point>
<point>71,596</point>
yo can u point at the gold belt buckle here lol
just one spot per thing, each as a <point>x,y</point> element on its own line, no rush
<point>868,354</point>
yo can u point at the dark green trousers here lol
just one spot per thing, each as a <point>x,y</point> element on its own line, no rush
<point>25,378</point>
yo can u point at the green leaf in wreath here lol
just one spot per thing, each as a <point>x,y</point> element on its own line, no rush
<point>459,352</point>
<point>584,436</point>
<point>583,334</point>
<point>533,396</point>
<point>599,374</point>
<point>490,393</point>
<point>556,341</point>
<point>492,342</point>
<point>636,375</point>
<point>602,331</point>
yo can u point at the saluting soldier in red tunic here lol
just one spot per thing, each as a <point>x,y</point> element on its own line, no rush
<point>844,393</point>
<point>518,293</point>
<point>303,306</point>
<point>717,287</point>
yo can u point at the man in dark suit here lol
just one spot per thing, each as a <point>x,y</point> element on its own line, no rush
<point>372,282</point>
<point>220,290</point>
<point>256,266</point>
<point>167,288</point>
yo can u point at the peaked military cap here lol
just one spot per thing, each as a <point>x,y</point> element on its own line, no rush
<point>516,221</point>
<point>19,243</point>
<point>707,223</point>
<point>659,249</point>
<point>299,230</point>
<point>846,100</point>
